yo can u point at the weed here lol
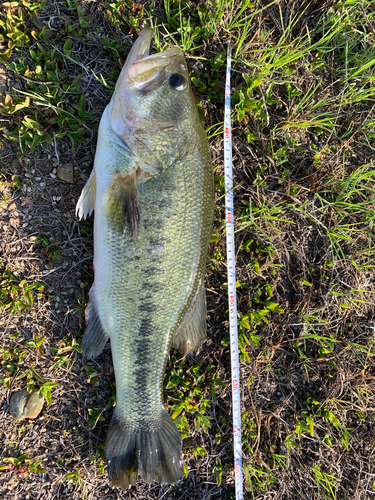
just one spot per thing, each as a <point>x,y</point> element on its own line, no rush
<point>327,482</point>
<point>47,84</point>
<point>258,477</point>
<point>48,247</point>
<point>218,469</point>
<point>124,13</point>
<point>193,385</point>
<point>45,387</point>
<point>96,415</point>
<point>22,465</point>
<point>10,361</point>
<point>32,377</point>
<point>16,295</point>
<point>63,354</point>
<point>93,375</point>
<point>260,308</point>
<point>36,342</point>
<point>99,459</point>
<point>74,477</point>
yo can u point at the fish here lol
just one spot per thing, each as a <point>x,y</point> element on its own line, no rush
<point>152,191</point>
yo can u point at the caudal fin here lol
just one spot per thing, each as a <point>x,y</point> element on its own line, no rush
<point>153,452</point>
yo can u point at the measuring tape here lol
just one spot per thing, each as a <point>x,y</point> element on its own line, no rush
<point>231,266</point>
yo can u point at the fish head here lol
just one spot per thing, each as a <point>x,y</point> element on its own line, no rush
<point>153,91</point>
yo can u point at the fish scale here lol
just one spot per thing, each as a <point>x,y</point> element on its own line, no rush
<point>170,268</point>
<point>152,191</point>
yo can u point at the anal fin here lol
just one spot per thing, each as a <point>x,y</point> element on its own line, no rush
<point>94,338</point>
<point>122,205</point>
<point>193,328</point>
<point>86,202</point>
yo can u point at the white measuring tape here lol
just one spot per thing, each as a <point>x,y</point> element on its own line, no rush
<point>231,266</point>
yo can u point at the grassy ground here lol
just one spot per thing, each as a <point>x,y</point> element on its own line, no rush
<point>303,134</point>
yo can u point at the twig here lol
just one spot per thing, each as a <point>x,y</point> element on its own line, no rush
<point>56,153</point>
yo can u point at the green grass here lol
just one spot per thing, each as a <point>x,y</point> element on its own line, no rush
<point>16,295</point>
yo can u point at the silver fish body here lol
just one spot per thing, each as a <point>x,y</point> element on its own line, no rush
<point>152,191</point>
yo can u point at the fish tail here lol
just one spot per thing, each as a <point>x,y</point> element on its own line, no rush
<point>152,451</point>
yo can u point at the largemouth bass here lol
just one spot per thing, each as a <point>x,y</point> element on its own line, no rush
<point>152,192</point>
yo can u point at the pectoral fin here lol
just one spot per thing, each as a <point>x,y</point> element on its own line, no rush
<point>86,202</point>
<point>122,204</point>
<point>193,328</point>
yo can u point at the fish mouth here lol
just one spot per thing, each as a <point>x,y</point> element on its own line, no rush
<point>141,47</point>
<point>141,50</point>
<point>142,69</point>
<point>151,67</point>
<point>147,71</point>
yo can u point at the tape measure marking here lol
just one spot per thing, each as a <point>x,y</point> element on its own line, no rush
<point>231,266</point>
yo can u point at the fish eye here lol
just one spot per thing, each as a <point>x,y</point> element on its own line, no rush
<point>177,81</point>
